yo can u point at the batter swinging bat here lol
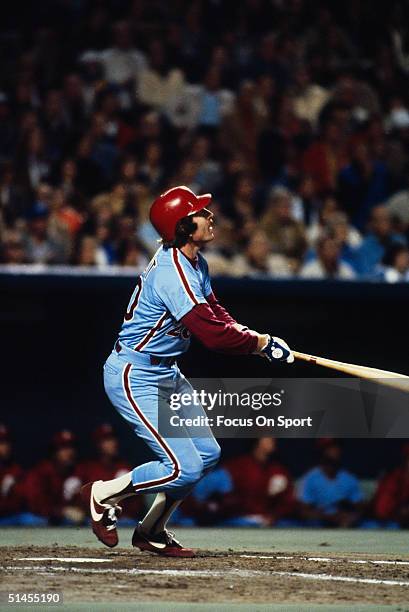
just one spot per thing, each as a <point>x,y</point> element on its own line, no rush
<point>391,379</point>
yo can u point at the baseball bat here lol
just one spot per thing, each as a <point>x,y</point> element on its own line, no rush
<point>391,379</point>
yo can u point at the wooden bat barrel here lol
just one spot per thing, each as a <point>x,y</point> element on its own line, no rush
<point>383,377</point>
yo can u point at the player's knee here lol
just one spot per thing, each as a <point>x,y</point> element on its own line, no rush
<point>191,472</point>
<point>211,455</point>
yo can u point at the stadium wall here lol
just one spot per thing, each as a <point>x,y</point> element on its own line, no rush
<point>58,327</point>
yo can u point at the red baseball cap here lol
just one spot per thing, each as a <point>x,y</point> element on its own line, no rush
<point>103,432</point>
<point>63,438</point>
<point>323,443</point>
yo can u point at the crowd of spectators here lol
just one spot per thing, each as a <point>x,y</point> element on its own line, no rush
<point>295,115</point>
<point>254,489</point>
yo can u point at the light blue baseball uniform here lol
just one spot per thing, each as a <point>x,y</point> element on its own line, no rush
<point>326,493</point>
<point>142,365</point>
<point>167,290</point>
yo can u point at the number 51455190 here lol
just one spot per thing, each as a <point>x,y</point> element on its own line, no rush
<point>30,598</point>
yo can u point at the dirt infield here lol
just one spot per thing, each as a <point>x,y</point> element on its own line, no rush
<point>98,574</point>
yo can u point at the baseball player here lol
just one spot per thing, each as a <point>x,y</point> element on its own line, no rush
<point>173,299</point>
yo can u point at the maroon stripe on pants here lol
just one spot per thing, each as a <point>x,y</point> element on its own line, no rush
<point>176,469</point>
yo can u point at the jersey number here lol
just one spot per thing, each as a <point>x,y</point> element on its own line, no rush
<point>137,293</point>
<point>179,331</point>
<point>134,301</point>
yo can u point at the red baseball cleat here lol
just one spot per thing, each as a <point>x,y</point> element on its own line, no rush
<point>162,543</point>
<point>103,517</point>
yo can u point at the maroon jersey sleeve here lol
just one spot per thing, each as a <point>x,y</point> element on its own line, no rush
<point>282,501</point>
<point>387,496</point>
<point>37,491</point>
<point>44,490</point>
<point>220,312</point>
<point>218,335</point>
<point>10,498</point>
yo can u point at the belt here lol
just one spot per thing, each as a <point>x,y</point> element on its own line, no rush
<point>137,356</point>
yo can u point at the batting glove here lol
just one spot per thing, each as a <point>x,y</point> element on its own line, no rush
<point>278,350</point>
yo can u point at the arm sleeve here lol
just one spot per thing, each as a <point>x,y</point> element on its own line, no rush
<point>355,493</point>
<point>283,503</point>
<point>11,501</point>
<point>218,335</point>
<point>385,504</point>
<point>307,493</point>
<point>38,498</point>
<point>220,312</point>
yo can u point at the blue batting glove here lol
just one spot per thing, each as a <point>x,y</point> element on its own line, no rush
<point>278,350</point>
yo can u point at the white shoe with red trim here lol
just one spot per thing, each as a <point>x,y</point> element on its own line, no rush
<point>163,543</point>
<point>103,516</point>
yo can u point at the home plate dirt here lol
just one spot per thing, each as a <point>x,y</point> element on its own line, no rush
<point>97,574</point>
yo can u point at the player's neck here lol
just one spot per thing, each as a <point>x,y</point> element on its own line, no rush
<point>190,250</point>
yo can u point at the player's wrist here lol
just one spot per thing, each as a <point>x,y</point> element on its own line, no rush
<point>240,327</point>
<point>262,342</point>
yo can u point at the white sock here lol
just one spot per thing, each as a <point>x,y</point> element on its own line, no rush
<point>159,513</point>
<point>115,488</point>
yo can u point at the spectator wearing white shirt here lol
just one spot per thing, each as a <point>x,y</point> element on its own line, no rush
<point>158,83</point>
<point>259,261</point>
<point>328,264</point>
<point>201,105</point>
<point>309,98</point>
<point>122,62</point>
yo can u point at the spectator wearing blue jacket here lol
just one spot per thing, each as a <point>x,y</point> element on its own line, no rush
<point>362,184</point>
<point>377,242</point>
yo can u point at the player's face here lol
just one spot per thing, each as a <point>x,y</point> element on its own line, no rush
<point>5,450</point>
<point>109,447</point>
<point>204,220</point>
<point>66,455</point>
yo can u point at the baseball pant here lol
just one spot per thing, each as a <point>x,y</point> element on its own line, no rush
<point>138,390</point>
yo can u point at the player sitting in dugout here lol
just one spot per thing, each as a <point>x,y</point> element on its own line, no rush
<point>251,490</point>
<point>11,476</point>
<point>391,501</point>
<point>51,487</point>
<point>330,495</point>
<point>173,299</point>
<point>106,464</point>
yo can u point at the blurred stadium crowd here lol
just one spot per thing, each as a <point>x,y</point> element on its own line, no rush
<point>254,489</point>
<point>295,115</point>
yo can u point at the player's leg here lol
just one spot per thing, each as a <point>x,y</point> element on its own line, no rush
<point>179,466</point>
<point>134,393</point>
<point>202,437</point>
<point>207,447</point>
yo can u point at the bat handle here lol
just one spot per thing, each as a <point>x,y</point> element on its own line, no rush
<point>304,357</point>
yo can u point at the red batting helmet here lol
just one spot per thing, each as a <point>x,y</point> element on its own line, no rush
<point>172,206</point>
<point>103,432</point>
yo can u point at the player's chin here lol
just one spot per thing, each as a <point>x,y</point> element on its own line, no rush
<point>205,239</point>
